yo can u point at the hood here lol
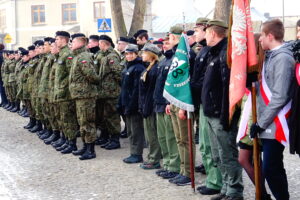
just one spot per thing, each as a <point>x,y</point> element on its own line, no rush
<point>285,48</point>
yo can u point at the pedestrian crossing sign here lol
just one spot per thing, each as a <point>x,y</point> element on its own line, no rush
<point>104,25</point>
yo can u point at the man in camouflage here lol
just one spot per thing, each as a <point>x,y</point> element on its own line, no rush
<point>83,82</point>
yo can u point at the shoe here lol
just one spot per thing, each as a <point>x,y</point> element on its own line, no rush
<point>171,180</point>
<point>200,169</point>
<point>182,181</point>
<point>103,143</point>
<point>7,105</point>
<point>234,198</point>
<point>200,187</point>
<point>37,127</point>
<point>89,153</point>
<point>81,151</point>
<point>26,114</point>
<point>150,165</point>
<point>8,108</point>
<point>133,159</point>
<point>169,175</point>
<point>62,147</point>
<point>59,142</point>
<point>208,191</point>
<point>220,196</point>
<point>72,147</point>
<point>16,108</point>
<point>30,124</point>
<point>123,133</point>
<point>114,143</point>
<point>42,132</point>
<point>158,172</point>
<point>54,137</point>
<point>46,135</point>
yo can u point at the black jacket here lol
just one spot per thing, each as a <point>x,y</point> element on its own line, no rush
<point>215,90</point>
<point>162,73</point>
<point>146,101</point>
<point>128,100</point>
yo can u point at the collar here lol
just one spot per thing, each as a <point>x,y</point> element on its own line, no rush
<point>79,50</point>
<point>218,47</point>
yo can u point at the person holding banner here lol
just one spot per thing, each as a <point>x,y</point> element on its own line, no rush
<point>215,102</point>
<point>274,103</point>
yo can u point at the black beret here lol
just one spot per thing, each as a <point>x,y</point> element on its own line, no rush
<point>62,33</point>
<point>190,32</point>
<point>108,39</point>
<point>16,52</point>
<point>38,43</point>
<point>23,51</point>
<point>158,42</point>
<point>47,39</point>
<point>139,32</point>
<point>122,39</point>
<point>77,35</point>
<point>31,48</point>
<point>10,52</point>
<point>94,37</point>
<point>131,41</point>
<point>52,40</point>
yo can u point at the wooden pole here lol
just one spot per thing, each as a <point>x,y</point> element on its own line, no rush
<point>256,151</point>
<point>191,149</point>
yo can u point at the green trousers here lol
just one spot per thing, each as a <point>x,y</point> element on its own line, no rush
<point>86,117</point>
<point>180,128</point>
<point>135,131</point>
<point>214,177</point>
<point>150,130</point>
<point>54,116</point>
<point>225,155</point>
<point>167,142</point>
<point>67,111</point>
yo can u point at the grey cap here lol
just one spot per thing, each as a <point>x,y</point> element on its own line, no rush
<point>176,30</point>
<point>132,48</point>
<point>152,48</point>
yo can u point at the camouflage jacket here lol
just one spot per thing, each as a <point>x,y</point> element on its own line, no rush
<point>43,89</point>
<point>33,63</point>
<point>62,71</point>
<point>110,75</point>
<point>83,78</point>
<point>38,74</point>
<point>52,79</point>
<point>25,80</point>
<point>18,70</point>
<point>11,69</point>
<point>97,60</point>
<point>21,79</point>
<point>6,71</point>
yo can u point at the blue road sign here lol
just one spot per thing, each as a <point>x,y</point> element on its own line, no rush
<point>104,25</point>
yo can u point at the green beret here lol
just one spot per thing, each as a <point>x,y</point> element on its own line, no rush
<point>176,30</point>
<point>216,22</point>
<point>201,21</point>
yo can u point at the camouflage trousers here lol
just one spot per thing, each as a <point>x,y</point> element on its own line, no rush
<point>30,111</point>
<point>68,119</point>
<point>108,117</point>
<point>33,105</point>
<point>54,117</point>
<point>12,91</point>
<point>38,106</point>
<point>86,117</point>
<point>43,108</point>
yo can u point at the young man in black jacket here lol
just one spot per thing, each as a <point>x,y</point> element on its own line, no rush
<point>215,102</point>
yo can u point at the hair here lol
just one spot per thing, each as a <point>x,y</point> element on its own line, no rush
<point>143,35</point>
<point>220,31</point>
<point>298,23</point>
<point>107,42</point>
<point>65,38</point>
<point>274,27</point>
<point>154,59</point>
<point>82,39</point>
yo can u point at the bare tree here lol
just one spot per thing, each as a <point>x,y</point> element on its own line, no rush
<point>118,18</point>
<point>222,10</point>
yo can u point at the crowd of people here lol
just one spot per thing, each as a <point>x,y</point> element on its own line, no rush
<point>74,85</point>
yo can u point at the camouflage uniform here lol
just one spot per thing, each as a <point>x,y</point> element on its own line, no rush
<point>83,89</point>
<point>12,87</point>
<point>18,72</point>
<point>24,91</point>
<point>6,77</point>
<point>110,80</point>
<point>62,94</point>
<point>30,83</point>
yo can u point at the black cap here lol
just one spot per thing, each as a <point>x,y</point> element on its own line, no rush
<point>190,32</point>
<point>158,42</point>
<point>131,41</point>
<point>108,39</point>
<point>52,40</point>
<point>23,51</point>
<point>10,52</point>
<point>77,35</point>
<point>47,39</point>
<point>62,33</point>
<point>38,43</point>
<point>139,32</point>
<point>31,48</point>
<point>94,37</point>
<point>122,39</point>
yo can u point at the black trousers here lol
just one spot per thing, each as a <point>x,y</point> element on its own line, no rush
<point>273,168</point>
<point>3,94</point>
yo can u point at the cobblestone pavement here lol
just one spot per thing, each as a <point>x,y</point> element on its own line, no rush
<point>30,170</point>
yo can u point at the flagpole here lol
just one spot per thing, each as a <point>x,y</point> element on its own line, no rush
<point>190,135</point>
<point>256,152</point>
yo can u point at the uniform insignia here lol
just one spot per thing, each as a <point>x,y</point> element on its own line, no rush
<point>83,61</point>
<point>95,62</point>
<point>201,60</point>
<point>70,58</point>
<point>31,65</point>
<point>111,62</point>
<point>127,73</point>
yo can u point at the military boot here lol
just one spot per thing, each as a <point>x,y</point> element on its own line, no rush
<point>37,127</point>
<point>21,111</point>
<point>8,105</point>
<point>54,137</point>
<point>60,141</point>
<point>42,132</point>
<point>31,123</point>
<point>114,143</point>
<point>103,140</point>
<point>81,151</point>
<point>89,153</point>
<point>16,108</point>
<point>12,106</point>
<point>62,147</point>
<point>72,147</point>
<point>26,114</point>
<point>46,135</point>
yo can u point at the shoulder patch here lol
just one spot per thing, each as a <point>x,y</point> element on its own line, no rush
<point>83,61</point>
<point>111,61</point>
<point>70,58</point>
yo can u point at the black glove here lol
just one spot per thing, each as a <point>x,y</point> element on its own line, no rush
<point>255,130</point>
<point>296,50</point>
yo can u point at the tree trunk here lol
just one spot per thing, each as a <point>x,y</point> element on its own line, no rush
<point>138,16</point>
<point>118,18</point>
<point>222,10</point>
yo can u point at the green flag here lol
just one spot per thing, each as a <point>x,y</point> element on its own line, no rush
<point>177,87</point>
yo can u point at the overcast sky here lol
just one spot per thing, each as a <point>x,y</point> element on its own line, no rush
<point>274,7</point>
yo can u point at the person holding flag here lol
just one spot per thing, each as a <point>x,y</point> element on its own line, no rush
<point>178,92</point>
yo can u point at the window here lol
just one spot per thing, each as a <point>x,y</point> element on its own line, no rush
<point>38,14</point>
<point>69,13</point>
<point>99,9</point>
<point>3,18</point>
